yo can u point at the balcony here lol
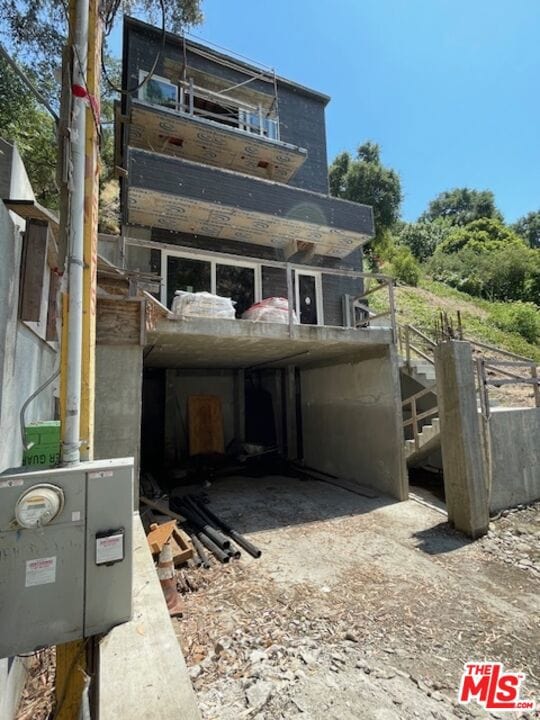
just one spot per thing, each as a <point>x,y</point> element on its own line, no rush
<point>194,123</point>
<point>189,197</point>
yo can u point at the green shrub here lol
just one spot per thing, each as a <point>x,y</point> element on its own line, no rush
<point>518,317</point>
<point>404,267</point>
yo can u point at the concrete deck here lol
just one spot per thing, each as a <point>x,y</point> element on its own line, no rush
<point>217,343</point>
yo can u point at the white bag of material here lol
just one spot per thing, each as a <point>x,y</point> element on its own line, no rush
<point>272,309</point>
<point>202,304</point>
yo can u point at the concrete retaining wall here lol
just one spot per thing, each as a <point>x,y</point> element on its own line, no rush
<point>351,418</point>
<point>118,404</point>
<point>515,452</point>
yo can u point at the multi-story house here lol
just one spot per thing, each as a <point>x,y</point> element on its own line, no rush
<point>224,189</point>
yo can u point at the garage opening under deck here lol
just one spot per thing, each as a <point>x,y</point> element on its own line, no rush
<point>322,397</point>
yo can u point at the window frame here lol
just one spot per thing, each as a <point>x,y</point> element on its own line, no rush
<point>214,261</point>
<point>140,94</point>
<point>317,274</point>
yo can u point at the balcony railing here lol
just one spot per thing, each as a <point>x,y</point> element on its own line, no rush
<point>193,100</point>
<point>355,315</point>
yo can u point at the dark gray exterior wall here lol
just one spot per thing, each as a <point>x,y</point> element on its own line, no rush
<point>209,184</point>
<point>302,123</point>
<point>301,113</point>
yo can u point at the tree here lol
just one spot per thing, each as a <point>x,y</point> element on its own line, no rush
<point>422,238</point>
<point>25,123</point>
<point>528,227</point>
<point>483,235</point>
<point>365,180</point>
<point>35,33</point>
<point>462,206</point>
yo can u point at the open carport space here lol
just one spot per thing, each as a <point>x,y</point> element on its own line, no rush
<point>326,397</point>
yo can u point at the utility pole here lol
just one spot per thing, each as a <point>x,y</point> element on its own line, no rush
<point>80,210</point>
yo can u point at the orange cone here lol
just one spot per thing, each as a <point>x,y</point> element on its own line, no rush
<point>167,578</point>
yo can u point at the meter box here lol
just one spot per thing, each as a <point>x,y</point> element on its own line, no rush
<point>65,553</point>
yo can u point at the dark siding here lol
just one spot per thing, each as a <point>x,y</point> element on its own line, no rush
<point>214,185</point>
<point>334,288</point>
<point>302,123</point>
<point>274,282</point>
<point>301,114</point>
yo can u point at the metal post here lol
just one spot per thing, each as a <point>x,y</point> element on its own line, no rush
<point>536,386</point>
<point>408,346</point>
<point>392,308</point>
<point>71,429</point>
<point>415,424</point>
<point>290,297</point>
<point>191,98</point>
<point>261,128</point>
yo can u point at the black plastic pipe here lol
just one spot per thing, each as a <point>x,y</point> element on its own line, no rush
<point>198,547</point>
<point>221,555</point>
<point>238,539</point>
<point>196,519</point>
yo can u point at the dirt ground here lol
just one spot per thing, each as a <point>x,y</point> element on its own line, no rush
<point>359,609</point>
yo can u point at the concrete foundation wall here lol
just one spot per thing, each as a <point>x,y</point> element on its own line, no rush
<point>351,418</point>
<point>118,403</point>
<point>179,385</point>
<point>515,453</point>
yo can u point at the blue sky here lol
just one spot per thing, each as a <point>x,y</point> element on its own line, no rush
<point>448,88</point>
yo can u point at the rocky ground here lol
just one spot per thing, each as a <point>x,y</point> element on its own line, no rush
<point>373,618</point>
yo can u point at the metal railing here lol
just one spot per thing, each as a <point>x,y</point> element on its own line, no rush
<point>417,417</point>
<point>486,369</point>
<point>251,119</point>
<point>412,342</point>
<point>378,283</point>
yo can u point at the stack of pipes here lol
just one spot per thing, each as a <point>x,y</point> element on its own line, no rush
<point>209,532</point>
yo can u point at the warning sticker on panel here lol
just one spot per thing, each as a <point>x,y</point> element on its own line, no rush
<point>41,571</point>
<point>110,549</point>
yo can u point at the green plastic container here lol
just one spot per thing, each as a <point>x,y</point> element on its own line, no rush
<point>45,450</point>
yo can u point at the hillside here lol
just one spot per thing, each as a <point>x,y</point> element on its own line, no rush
<point>420,306</point>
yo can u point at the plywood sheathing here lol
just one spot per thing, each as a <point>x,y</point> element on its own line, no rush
<point>165,131</point>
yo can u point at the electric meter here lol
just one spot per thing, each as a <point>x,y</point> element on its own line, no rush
<point>39,505</point>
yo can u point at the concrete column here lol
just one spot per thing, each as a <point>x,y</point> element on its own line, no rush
<point>461,441</point>
<point>118,404</point>
<point>290,409</point>
<point>240,405</point>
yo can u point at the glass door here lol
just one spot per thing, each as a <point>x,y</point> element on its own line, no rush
<point>308,298</point>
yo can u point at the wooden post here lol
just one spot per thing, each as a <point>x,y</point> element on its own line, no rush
<point>71,658</point>
<point>91,207</point>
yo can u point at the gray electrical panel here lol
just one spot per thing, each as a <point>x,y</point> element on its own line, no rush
<point>65,553</point>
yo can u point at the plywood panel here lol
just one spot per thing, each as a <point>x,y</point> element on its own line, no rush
<point>182,214</point>
<point>118,322</point>
<point>205,425</point>
<point>195,139</point>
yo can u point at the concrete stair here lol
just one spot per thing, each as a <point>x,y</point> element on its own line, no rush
<point>421,371</point>
<point>429,442</point>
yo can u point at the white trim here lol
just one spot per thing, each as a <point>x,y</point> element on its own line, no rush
<point>317,274</point>
<point>165,254</point>
<point>142,90</point>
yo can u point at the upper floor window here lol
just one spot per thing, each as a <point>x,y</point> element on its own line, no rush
<point>158,91</point>
<point>259,123</point>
